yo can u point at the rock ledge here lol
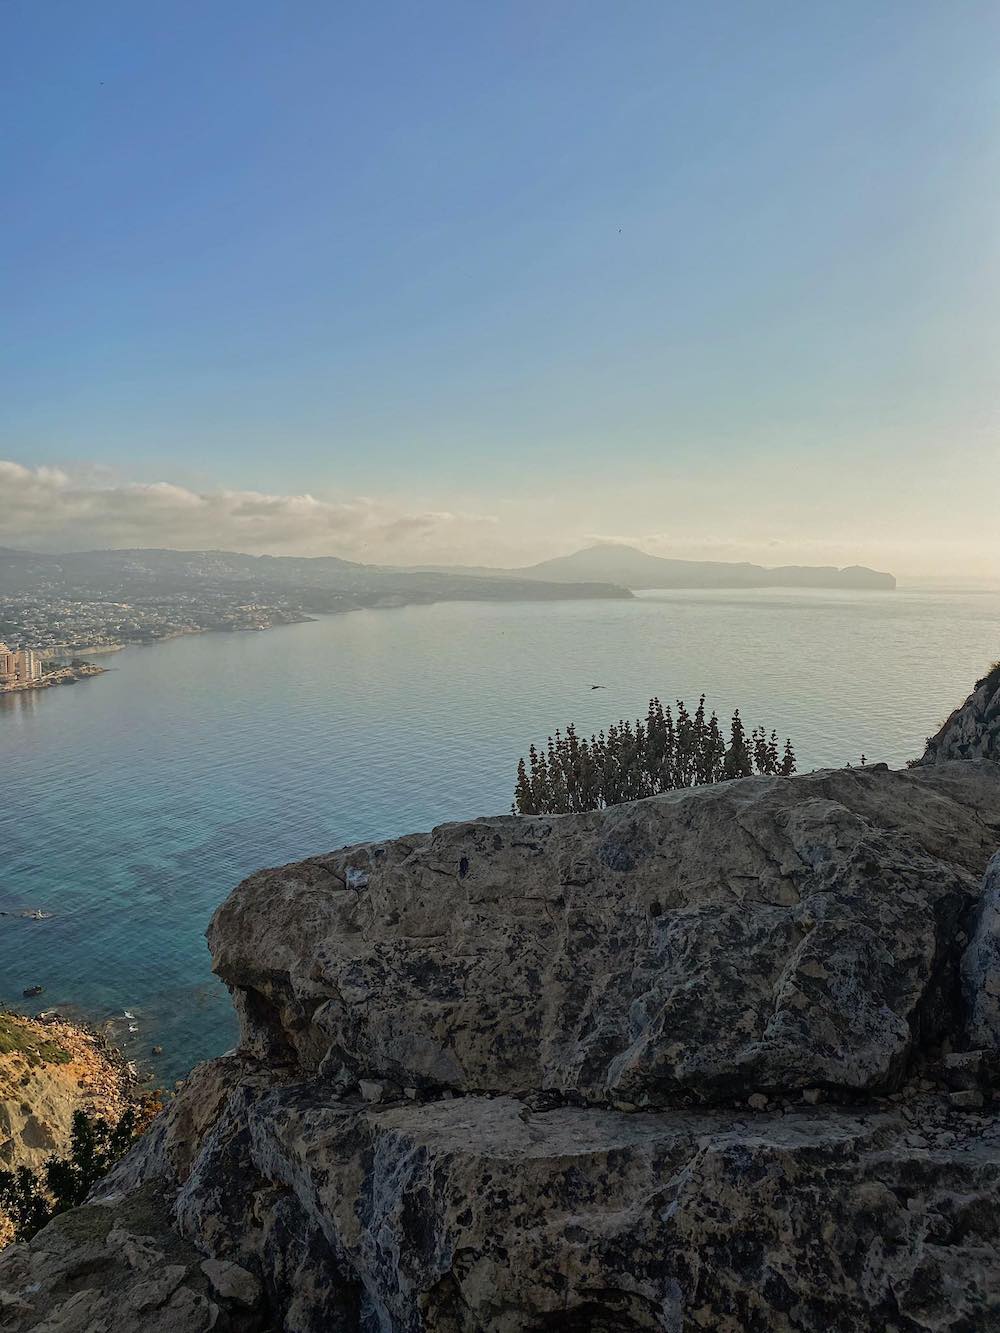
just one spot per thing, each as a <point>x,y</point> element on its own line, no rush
<point>726,1059</point>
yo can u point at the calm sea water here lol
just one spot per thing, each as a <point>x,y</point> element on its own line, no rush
<point>134,802</point>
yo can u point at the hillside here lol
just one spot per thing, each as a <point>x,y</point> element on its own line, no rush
<point>615,562</point>
<point>312,580</point>
<point>104,598</point>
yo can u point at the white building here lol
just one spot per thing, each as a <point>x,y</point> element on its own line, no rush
<point>19,668</point>
<point>28,665</point>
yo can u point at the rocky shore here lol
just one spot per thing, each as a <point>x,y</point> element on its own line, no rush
<point>725,1059</point>
<point>60,676</point>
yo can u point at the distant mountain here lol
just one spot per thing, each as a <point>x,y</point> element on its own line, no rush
<point>323,583</point>
<point>316,584</point>
<point>614,562</point>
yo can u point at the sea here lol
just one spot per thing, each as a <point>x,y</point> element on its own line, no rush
<point>134,801</point>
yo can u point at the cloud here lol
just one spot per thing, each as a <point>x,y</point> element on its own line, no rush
<point>46,508</point>
<point>54,509</point>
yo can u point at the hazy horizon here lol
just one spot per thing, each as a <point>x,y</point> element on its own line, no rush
<point>483,286</point>
<point>49,510</point>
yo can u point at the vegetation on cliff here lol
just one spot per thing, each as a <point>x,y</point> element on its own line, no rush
<point>32,1198</point>
<point>571,774</point>
<point>34,1045</point>
<point>67,1101</point>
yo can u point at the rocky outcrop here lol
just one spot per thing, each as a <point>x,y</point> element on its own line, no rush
<point>95,1270</point>
<point>972,731</point>
<point>724,1059</point>
<point>706,944</point>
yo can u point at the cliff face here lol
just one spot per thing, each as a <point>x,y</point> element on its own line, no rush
<point>972,731</point>
<point>48,1071</point>
<point>723,1060</point>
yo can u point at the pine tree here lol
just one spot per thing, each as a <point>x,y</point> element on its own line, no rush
<point>737,762</point>
<point>637,759</point>
<point>788,760</point>
<point>31,1198</point>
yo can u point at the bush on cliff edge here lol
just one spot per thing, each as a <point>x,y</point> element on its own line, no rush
<point>634,760</point>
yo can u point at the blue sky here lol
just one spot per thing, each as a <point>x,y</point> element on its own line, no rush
<point>719,277</point>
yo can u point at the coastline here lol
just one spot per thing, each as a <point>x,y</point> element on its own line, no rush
<point>92,649</point>
<point>61,676</point>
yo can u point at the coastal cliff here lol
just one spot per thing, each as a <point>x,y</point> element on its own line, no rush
<point>972,731</point>
<point>49,1069</point>
<point>723,1059</point>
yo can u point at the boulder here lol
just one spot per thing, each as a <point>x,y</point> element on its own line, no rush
<point>719,1060</point>
<point>124,1269</point>
<point>710,943</point>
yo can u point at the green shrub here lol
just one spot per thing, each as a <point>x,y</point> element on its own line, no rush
<point>634,760</point>
<point>32,1198</point>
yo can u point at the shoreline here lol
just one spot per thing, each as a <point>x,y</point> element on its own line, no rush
<point>76,650</point>
<point>638,594</point>
<point>71,1022</point>
<point>61,676</point>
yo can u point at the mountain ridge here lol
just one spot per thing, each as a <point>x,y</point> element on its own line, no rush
<point>614,563</point>
<point>98,570</point>
<point>618,562</point>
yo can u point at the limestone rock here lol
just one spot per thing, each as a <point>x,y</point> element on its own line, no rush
<point>981,967</point>
<point>478,1213</point>
<point>972,731</point>
<point>705,1062</point>
<point>98,1270</point>
<point>714,942</point>
<point>233,1283</point>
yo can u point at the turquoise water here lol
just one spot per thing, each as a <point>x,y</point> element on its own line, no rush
<point>136,800</point>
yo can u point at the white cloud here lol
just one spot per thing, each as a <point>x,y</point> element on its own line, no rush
<point>908,533</point>
<point>46,509</point>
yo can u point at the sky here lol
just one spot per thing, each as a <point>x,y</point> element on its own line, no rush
<point>487,282</point>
